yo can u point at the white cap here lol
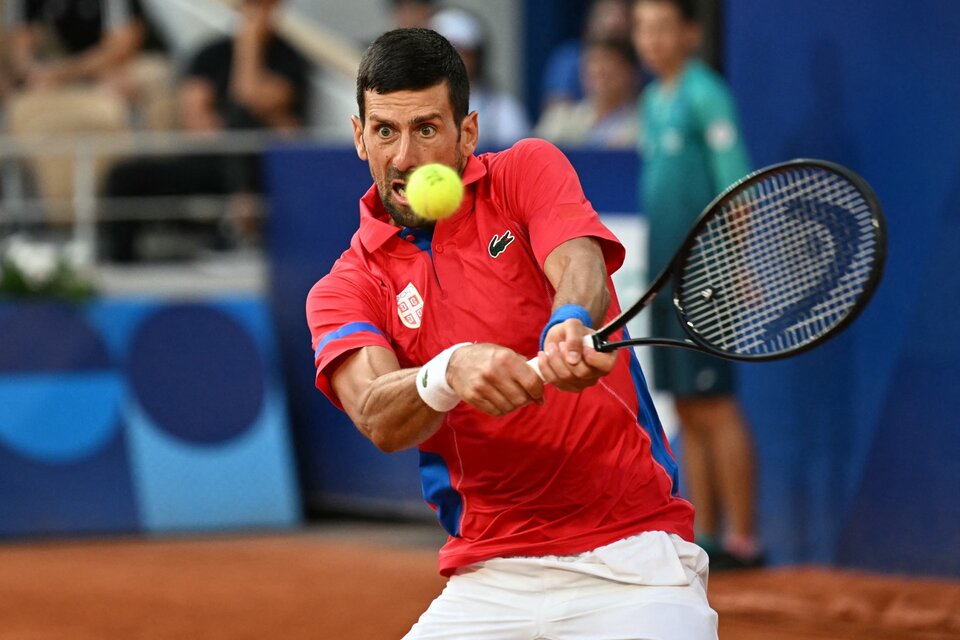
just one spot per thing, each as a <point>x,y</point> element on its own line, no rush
<point>460,27</point>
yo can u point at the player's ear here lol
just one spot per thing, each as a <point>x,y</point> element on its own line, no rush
<point>358,138</point>
<point>469,133</point>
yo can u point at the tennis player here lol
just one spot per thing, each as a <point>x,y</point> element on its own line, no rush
<point>560,497</point>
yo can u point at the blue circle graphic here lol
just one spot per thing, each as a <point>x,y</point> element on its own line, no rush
<point>197,373</point>
<point>59,393</point>
<point>39,337</point>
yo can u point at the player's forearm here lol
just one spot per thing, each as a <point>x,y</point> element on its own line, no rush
<point>382,399</point>
<point>392,415</point>
<point>579,275</point>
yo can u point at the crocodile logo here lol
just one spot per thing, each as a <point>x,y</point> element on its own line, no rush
<point>498,243</point>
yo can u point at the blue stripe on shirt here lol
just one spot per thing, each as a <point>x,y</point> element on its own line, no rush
<point>422,238</point>
<point>438,491</point>
<point>344,331</point>
<point>650,421</point>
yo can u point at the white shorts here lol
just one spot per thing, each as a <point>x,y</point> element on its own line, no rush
<point>647,587</point>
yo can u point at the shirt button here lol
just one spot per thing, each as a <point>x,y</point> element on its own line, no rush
<point>410,238</point>
<point>438,248</point>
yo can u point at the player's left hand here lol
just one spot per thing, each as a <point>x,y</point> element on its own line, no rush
<point>566,363</point>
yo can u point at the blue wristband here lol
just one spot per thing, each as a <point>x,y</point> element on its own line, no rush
<point>566,312</point>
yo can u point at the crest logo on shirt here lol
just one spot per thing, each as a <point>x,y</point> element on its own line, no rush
<point>498,244</point>
<point>410,307</point>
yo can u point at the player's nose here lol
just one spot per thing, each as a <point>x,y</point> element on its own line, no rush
<point>408,155</point>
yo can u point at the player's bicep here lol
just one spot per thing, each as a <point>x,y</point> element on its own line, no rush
<point>355,375</point>
<point>578,274</point>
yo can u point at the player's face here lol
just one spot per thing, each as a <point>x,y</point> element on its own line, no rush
<point>663,39</point>
<point>406,129</point>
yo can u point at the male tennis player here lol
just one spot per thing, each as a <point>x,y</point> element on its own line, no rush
<point>559,496</point>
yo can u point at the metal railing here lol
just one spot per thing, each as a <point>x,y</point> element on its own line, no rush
<point>24,208</point>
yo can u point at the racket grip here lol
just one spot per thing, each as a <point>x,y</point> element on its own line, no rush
<point>535,365</point>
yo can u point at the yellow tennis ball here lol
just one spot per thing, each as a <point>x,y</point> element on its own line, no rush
<point>434,191</point>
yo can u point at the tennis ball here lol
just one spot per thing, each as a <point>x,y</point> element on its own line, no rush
<point>434,191</point>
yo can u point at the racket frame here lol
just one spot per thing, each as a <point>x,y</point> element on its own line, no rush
<point>673,272</point>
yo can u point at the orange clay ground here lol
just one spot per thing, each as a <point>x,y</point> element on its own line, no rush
<point>370,582</point>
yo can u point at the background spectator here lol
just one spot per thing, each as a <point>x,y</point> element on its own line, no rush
<point>82,66</point>
<point>502,120</point>
<point>606,19</point>
<point>102,43</point>
<point>607,115</point>
<point>252,80</point>
<point>693,150</point>
<point>411,13</point>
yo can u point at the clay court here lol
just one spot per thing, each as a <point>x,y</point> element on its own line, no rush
<point>350,581</point>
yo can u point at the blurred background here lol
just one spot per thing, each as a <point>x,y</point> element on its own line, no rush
<point>173,181</point>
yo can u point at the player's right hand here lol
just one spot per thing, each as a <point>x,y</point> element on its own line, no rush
<point>494,379</point>
<point>566,363</point>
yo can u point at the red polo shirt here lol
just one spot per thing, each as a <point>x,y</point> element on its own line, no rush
<point>579,472</point>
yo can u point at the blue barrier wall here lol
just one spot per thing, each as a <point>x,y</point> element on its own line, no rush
<point>127,416</point>
<point>859,445</point>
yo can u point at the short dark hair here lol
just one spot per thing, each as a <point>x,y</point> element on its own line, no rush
<point>413,59</point>
<point>686,8</point>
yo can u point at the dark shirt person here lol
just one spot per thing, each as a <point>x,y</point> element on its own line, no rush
<point>253,80</point>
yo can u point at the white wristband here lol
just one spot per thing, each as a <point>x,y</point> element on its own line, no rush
<point>432,381</point>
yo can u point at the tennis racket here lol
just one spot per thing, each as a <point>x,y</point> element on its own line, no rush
<point>778,263</point>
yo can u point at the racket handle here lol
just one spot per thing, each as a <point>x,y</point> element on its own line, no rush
<point>535,365</point>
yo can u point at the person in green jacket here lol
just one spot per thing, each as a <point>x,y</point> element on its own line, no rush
<point>692,150</point>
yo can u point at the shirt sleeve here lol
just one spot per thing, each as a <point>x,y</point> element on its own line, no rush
<point>726,153</point>
<point>344,313</point>
<point>543,191</point>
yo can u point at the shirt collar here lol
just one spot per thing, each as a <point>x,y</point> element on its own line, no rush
<point>376,227</point>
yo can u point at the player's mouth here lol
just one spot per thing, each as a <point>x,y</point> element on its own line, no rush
<point>399,190</point>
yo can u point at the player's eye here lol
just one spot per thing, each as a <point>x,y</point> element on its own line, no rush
<point>428,131</point>
<point>384,131</point>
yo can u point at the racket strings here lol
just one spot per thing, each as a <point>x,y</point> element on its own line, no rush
<point>789,291</point>
<point>716,248</point>
<point>780,263</point>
